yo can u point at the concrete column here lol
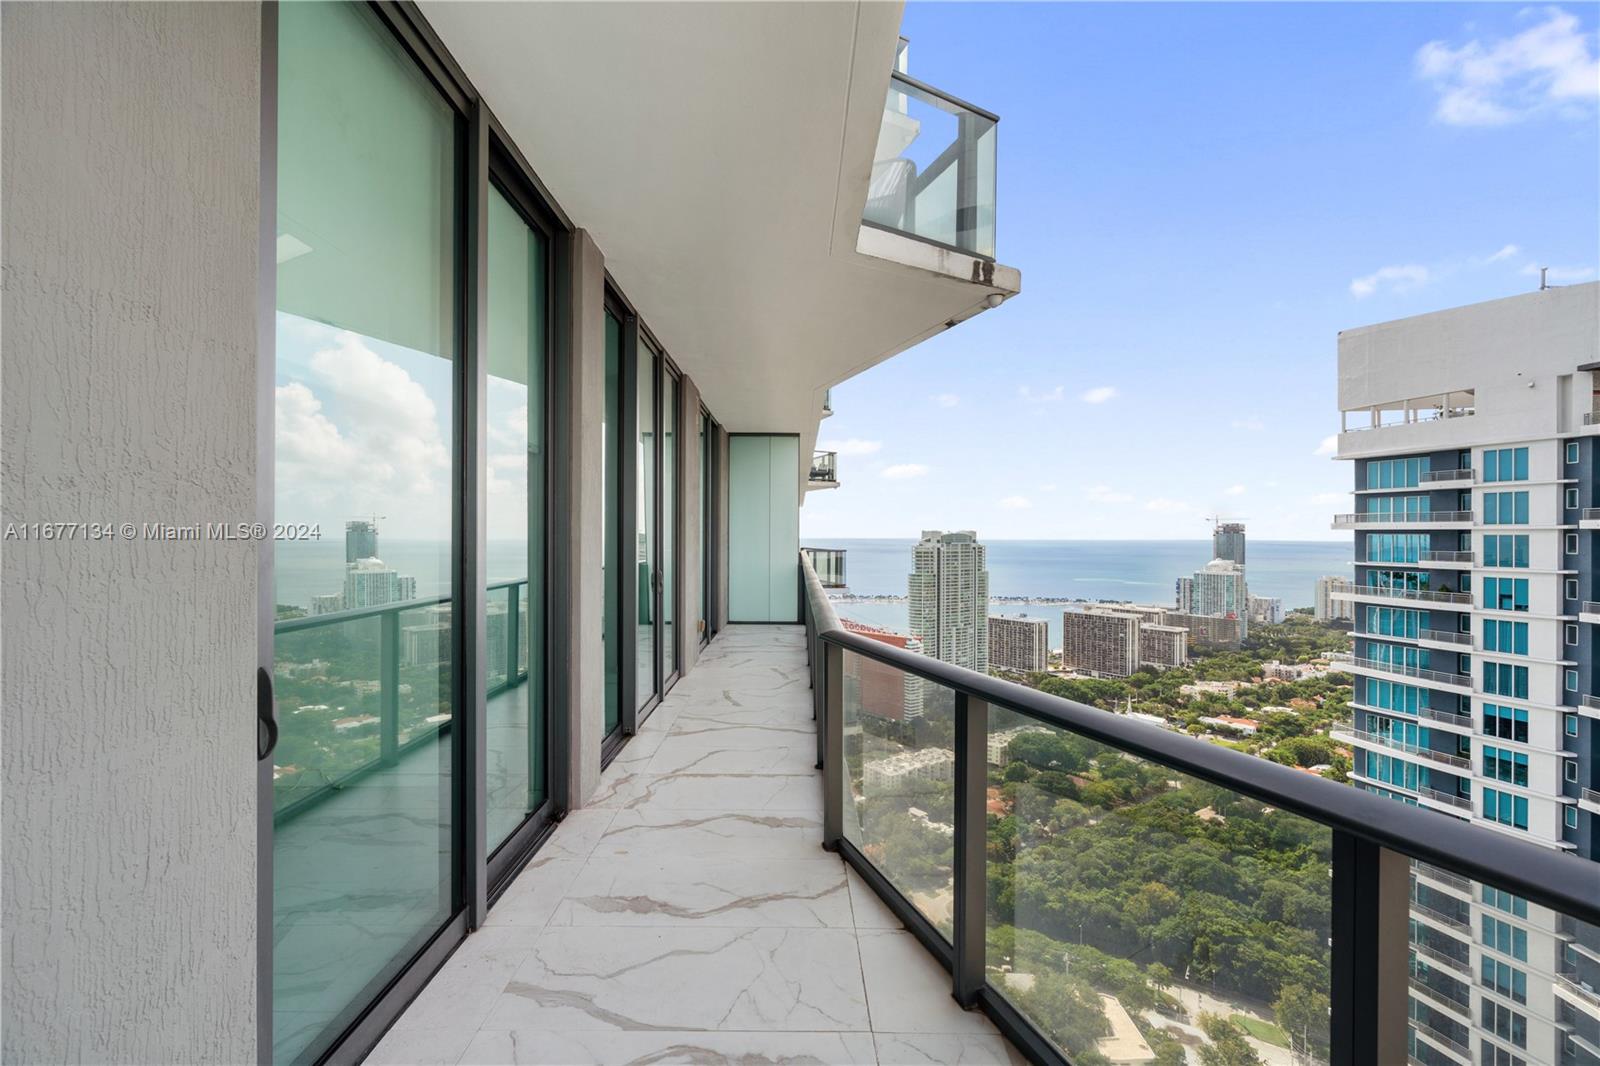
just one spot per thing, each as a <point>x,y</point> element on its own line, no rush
<point>691,500</point>
<point>585,577</point>
<point>130,159</point>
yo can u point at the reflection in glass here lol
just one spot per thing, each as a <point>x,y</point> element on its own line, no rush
<point>644,648</point>
<point>362,847</point>
<point>610,521</point>
<point>899,806</point>
<point>515,497</point>
<point>1133,908</point>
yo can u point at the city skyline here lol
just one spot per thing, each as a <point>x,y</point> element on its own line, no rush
<point>1401,191</point>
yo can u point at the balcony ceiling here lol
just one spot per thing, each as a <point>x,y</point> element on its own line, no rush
<point>719,154</point>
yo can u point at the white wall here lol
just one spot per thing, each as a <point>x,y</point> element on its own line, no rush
<point>129,157</point>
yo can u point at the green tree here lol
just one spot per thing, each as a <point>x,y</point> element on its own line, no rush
<point>1228,1046</point>
<point>1303,1014</point>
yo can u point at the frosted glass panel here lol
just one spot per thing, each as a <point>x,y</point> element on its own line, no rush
<point>763,528</point>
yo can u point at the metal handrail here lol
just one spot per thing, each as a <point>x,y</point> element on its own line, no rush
<point>1587,993</point>
<point>1590,795</point>
<point>1544,876</point>
<point>1589,514</point>
<point>1436,954</point>
<point>1463,473</point>
<point>824,466</point>
<point>1442,557</point>
<point>1439,995</point>
<point>955,101</point>
<point>1351,588</point>
<point>1591,418</point>
<point>1440,916</point>
<point>1442,636</point>
<point>1448,717</point>
<point>1400,517</point>
<point>1590,701</point>
<point>312,621</point>
<point>1450,1042</point>
<point>1590,607</point>
<point>1421,673</point>
<point>1445,797</point>
<point>1427,869</point>
<point>1444,758</point>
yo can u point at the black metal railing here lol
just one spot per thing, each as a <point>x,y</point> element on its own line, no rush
<point>1372,841</point>
<point>506,666</point>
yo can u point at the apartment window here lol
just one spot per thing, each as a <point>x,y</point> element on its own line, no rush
<point>1507,723</point>
<point>1394,621</point>
<point>1572,680</point>
<point>1572,544</point>
<point>1396,473</point>
<point>1505,808</point>
<point>1508,593</point>
<point>1571,588</point>
<point>1569,769</point>
<point>1505,464</point>
<point>1506,638</point>
<point>1505,549</point>
<point>1501,900</point>
<point>1502,764</point>
<point>1571,635</point>
<point>1503,679</point>
<point>1572,498</point>
<point>1569,817</point>
<point>1400,505</point>
<point>1505,508</point>
<point>1393,696</point>
<point>1569,724</point>
<point>1498,1056</point>
<point>1504,1022</point>
<point>1505,938</point>
<point>1572,451</point>
<point>1396,547</point>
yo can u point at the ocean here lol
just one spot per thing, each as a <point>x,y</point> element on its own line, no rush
<point>1144,571</point>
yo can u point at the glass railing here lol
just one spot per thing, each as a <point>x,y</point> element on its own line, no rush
<point>824,468</point>
<point>356,690</point>
<point>933,176</point>
<point>1106,890</point>
<point>829,565</point>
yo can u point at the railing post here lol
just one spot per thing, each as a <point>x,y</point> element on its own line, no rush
<point>1370,953</point>
<point>513,636</point>
<point>971,818</point>
<point>967,182</point>
<point>832,729</point>
<point>389,687</point>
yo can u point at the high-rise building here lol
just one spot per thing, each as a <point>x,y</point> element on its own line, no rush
<point>1216,589</point>
<point>1020,644</point>
<point>1326,607</point>
<point>1208,630</point>
<point>371,583</point>
<point>1477,527</point>
<point>1266,609</point>
<point>1163,646</point>
<point>948,598</point>
<point>879,688</point>
<point>1101,641</point>
<point>360,539</point>
<point>1227,542</point>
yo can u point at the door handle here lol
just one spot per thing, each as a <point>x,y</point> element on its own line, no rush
<point>266,718</point>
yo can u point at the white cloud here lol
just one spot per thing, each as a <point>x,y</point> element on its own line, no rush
<point>1165,506</point>
<point>901,471</point>
<point>1398,278</point>
<point>1254,425</point>
<point>853,446</point>
<point>1506,252</point>
<point>1331,498</point>
<point>947,399</point>
<point>1235,490</point>
<point>1329,445</point>
<point>1099,394</point>
<point>1048,487</point>
<point>1105,494</point>
<point>1016,503</point>
<point>1027,395</point>
<point>1547,68</point>
<point>1559,275</point>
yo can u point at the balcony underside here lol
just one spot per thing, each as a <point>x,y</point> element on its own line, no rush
<point>690,913</point>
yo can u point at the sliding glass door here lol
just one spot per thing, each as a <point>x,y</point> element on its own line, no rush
<point>611,524</point>
<point>514,490</point>
<point>364,793</point>
<point>672,386</point>
<point>644,587</point>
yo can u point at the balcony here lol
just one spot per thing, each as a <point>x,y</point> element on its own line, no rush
<point>933,176</point>
<point>1441,636</point>
<point>1367,519</point>
<point>1436,677</point>
<point>1353,735</point>
<point>1592,418</point>
<point>1441,558</point>
<point>691,914</point>
<point>824,471</point>
<point>1349,590</point>
<point>1589,611</point>
<point>829,565</point>
<point>1430,477</point>
<point>1589,518</point>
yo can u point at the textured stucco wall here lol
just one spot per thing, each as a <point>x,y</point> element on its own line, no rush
<point>128,157</point>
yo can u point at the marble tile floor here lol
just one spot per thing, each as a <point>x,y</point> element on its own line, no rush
<point>690,915</point>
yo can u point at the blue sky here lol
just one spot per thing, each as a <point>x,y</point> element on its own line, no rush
<point>1199,198</point>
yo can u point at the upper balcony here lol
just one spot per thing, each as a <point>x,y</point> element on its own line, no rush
<point>824,471</point>
<point>933,175</point>
<point>829,565</point>
<point>1415,424</point>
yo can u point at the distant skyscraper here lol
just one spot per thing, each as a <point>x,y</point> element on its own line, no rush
<point>1325,608</point>
<point>1266,609</point>
<point>948,598</point>
<point>360,540</point>
<point>370,583</point>
<point>1100,641</point>
<point>1020,644</point>
<point>1163,646</point>
<point>1227,542</point>
<point>1217,589</point>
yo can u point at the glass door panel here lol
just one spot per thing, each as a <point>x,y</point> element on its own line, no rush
<point>514,493</point>
<point>611,523</point>
<point>706,490</point>
<point>642,584</point>
<point>363,802</point>
<point>669,519</point>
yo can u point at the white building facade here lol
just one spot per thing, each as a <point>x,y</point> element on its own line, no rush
<point>948,598</point>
